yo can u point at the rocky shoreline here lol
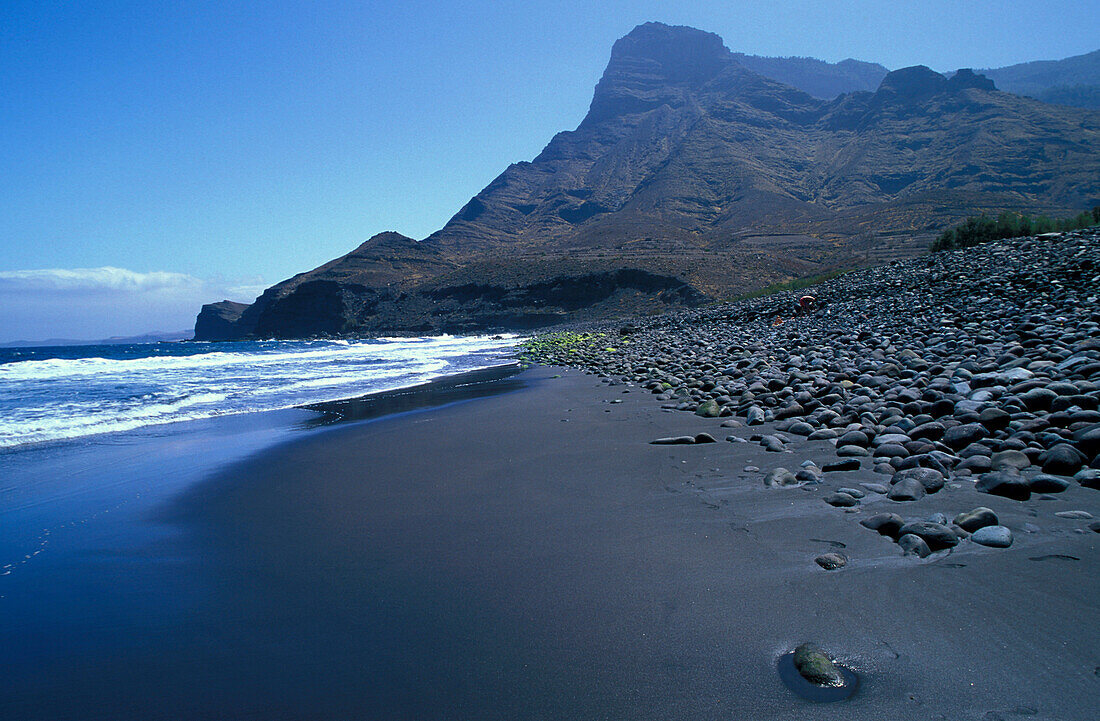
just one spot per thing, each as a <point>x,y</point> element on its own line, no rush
<point>978,367</point>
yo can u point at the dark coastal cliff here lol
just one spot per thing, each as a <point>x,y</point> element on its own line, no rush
<point>694,178</point>
<point>218,321</point>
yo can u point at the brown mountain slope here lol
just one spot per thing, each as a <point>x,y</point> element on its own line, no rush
<point>692,178</point>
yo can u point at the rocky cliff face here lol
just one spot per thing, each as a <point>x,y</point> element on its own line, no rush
<point>219,321</point>
<point>693,178</point>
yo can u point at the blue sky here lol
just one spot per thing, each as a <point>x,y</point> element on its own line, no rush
<point>228,145</point>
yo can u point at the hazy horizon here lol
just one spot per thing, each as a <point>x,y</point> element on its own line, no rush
<point>159,158</point>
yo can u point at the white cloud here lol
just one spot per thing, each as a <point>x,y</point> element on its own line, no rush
<point>92,303</point>
<point>106,278</point>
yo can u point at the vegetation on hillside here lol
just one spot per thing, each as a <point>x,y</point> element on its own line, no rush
<point>982,228</point>
<point>793,284</point>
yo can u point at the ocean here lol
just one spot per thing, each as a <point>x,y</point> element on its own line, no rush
<point>65,393</point>
<point>99,443</point>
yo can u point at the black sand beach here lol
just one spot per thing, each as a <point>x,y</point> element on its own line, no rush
<point>531,555</point>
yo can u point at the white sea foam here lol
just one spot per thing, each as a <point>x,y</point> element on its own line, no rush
<point>57,398</point>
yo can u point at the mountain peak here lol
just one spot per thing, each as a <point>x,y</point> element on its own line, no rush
<point>682,53</point>
<point>650,63</point>
<point>967,78</point>
<point>913,82</point>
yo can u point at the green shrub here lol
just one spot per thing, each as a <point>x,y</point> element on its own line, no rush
<point>982,229</point>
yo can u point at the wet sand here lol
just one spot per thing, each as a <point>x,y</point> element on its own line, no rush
<point>531,555</point>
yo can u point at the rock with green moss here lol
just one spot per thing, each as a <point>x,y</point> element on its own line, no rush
<point>815,666</point>
<point>708,409</point>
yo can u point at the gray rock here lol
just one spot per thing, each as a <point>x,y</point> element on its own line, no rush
<point>674,440</point>
<point>931,479</point>
<point>888,524</point>
<point>980,517</point>
<point>965,434</point>
<point>876,488</point>
<point>976,464</point>
<point>1075,515</point>
<point>840,500</point>
<point>908,489</point>
<point>936,535</point>
<point>809,475</point>
<point>853,438</point>
<point>853,492</point>
<point>1001,483</point>
<point>891,450</point>
<point>780,477</point>
<point>1038,399</point>
<point>1044,483</point>
<point>913,545</point>
<point>1063,460</point>
<point>1089,478</point>
<point>850,464</point>
<point>1010,460</point>
<point>831,561</point>
<point>932,430</point>
<point>1088,439</point>
<point>852,452</point>
<point>704,438</point>
<point>993,536</point>
<point>801,428</point>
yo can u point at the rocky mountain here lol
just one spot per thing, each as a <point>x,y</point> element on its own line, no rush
<point>817,77</point>
<point>694,178</point>
<point>1072,81</point>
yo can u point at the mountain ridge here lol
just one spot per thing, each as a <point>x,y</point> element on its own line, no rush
<point>693,178</point>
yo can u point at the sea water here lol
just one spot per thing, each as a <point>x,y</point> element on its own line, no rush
<point>62,393</point>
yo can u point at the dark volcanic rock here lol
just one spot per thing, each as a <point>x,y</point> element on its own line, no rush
<point>889,344</point>
<point>831,561</point>
<point>888,524</point>
<point>936,535</point>
<point>218,321</point>
<point>978,518</point>
<point>1009,485</point>
<point>1063,460</point>
<point>932,480</point>
<point>912,544</point>
<point>962,436</point>
<point>906,489</point>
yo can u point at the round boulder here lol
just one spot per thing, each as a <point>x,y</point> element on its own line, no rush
<point>888,524</point>
<point>993,536</point>
<point>780,477</point>
<point>840,500</point>
<point>1044,483</point>
<point>936,535</point>
<point>980,517</point>
<point>1010,460</point>
<point>913,545</point>
<point>1063,460</point>
<point>1000,483</point>
<point>963,435</point>
<point>931,479</point>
